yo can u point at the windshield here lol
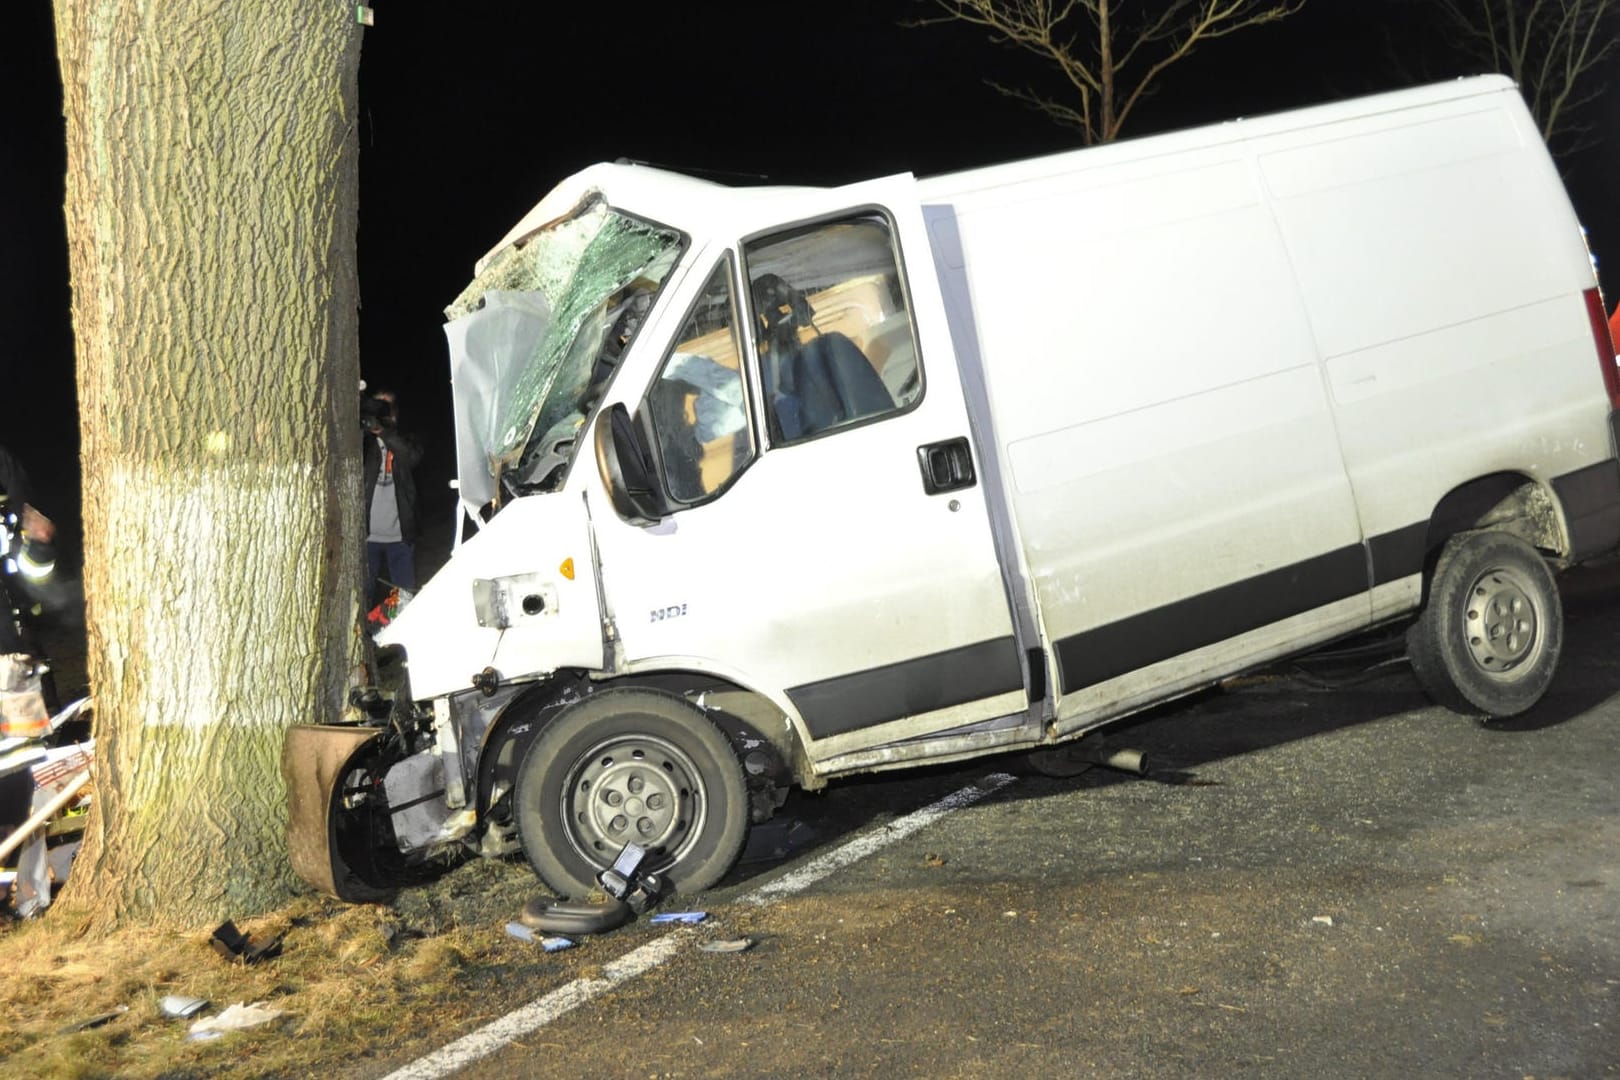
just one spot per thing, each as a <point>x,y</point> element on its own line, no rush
<point>536,338</point>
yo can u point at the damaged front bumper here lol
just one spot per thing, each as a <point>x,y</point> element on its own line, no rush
<point>316,762</point>
<point>367,812</point>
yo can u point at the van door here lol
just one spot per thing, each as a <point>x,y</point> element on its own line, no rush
<point>831,546</point>
<point>1174,472</point>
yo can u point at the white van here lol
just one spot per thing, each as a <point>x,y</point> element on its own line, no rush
<point>780,484</point>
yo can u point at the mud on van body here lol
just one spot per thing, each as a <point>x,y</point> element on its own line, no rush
<point>776,485</point>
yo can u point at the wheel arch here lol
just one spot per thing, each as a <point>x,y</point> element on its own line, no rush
<point>770,750</point>
<point>1508,501</point>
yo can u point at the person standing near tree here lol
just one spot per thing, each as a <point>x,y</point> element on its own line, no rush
<point>389,462</point>
<point>27,548</point>
<point>27,582</point>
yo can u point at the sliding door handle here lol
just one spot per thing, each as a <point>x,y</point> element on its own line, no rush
<point>946,466</point>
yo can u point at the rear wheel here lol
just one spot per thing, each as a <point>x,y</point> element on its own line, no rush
<point>1488,642</point>
<point>631,766</point>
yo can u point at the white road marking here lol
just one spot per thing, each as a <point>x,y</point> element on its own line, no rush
<point>543,1010</point>
<point>862,846</point>
<point>540,1012</point>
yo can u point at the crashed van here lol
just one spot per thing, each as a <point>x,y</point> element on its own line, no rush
<point>777,485</point>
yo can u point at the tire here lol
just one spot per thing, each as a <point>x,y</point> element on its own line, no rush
<point>631,766</point>
<point>1488,640</point>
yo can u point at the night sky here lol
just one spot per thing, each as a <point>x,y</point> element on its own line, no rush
<point>471,112</point>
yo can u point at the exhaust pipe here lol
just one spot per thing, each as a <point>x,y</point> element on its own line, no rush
<point>1121,758</point>
<point>1070,759</point>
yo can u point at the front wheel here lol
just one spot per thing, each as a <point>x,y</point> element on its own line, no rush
<point>1489,639</point>
<point>631,766</point>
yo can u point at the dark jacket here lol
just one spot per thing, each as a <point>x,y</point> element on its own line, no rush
<point>407,456</point>
<point>27,575</point>
<point>14,481</point>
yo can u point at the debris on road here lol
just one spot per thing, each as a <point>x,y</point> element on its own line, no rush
<point>626,881</point>
<point>687,917</point>
<point>181,1007</point>
<point>238,1017</point>
<point>727,945</point>
<point>551,943</point>
<point>234,945</point>
<point>558,917</point>
<point>94,1021</point>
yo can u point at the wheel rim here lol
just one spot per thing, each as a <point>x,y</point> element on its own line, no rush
<point>636,789</point>
<point>1502,622</point>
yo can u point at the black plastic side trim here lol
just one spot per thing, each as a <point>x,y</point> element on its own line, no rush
<point>954,677</point>
<point>1399,553</point>
<point>1107,652</point>
<point>1591,501</point>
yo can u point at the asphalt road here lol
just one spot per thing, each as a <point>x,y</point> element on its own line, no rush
<point>1311,881</point>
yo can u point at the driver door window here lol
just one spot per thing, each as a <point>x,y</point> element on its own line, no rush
<point>698,405</point>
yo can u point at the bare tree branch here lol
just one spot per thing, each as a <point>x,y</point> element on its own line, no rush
<point>1111,52</point>
<point>1556,50</point>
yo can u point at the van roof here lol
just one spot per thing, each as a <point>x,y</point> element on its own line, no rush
<point>942,187</point>
<point>674,198</point>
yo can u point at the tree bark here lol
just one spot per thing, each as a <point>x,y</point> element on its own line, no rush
<point>212,194</point>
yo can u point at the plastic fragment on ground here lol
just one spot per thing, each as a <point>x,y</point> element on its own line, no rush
<point>232,944</point>
<point>95,1021</point>
<point>179,1006</point>
<point>238,1017</point>
<point>727,945</point>
<point>679,917</point>
<point>550,943</point>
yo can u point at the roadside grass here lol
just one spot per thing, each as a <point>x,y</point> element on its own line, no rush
<point>353,983</point>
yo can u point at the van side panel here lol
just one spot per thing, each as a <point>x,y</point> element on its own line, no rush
<point>1160,412</point>
<point>1442,268</point>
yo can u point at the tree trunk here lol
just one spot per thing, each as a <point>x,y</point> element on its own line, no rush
<point>212,192</point>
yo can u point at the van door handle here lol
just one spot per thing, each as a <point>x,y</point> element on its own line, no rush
<point>946,466</point>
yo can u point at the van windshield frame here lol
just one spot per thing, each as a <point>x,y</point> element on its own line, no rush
<point>536,338</point>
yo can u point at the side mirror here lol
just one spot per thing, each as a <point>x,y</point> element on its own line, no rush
<point>625,464</point>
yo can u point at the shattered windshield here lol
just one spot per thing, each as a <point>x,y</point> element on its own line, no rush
<point>536,338</point>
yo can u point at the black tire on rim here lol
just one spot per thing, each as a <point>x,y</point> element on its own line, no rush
<point>1489,639</point>
<point>631,766</point>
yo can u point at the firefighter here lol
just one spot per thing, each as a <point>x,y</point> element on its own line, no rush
<point>27,552</point>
